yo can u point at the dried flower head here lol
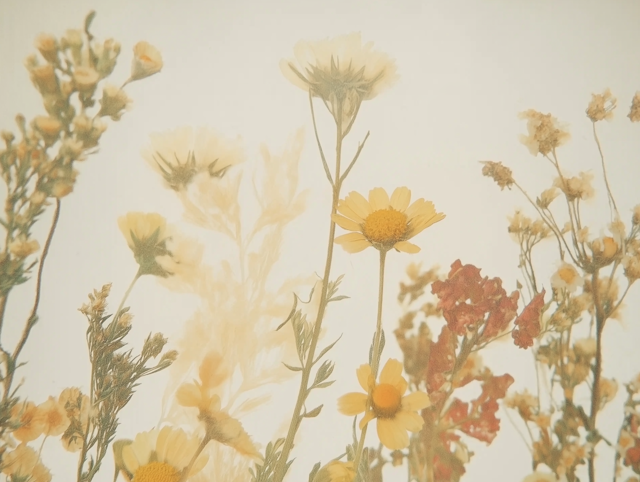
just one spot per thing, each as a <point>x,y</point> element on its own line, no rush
<point>501,174</point>
<point>386,401</point>
<point>85,79</point>
<point>147,61</point>
<point>342,71</point>
<point>566,278</point>
<point>601,106</point>
<point>585,347</point>
<point>336,471</point>
<point>577,187</point>
<point>30,423</point>
<point>48,47</point>
<point>145,234</point>
<point>634,112</point>
<point>383,222</point>
<point>161,456</point>
<point>23,464</point>
<point>54,417</point>
<point>545,134</point>
<point>179,155</point>
<point>21,246</point>
<point>546,197</point>
<point>114,102</point>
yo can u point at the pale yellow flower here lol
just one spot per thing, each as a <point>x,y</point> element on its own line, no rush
<point>540,477</point>
<point>545,134</point>
<point>54,417</point>
<point>23,463</point>
<point>114,102</point>
<point>340,70</point>
<point>147,61</point>
<point>145,234</point>
<point>576,187</point>
<point>48,47</point>
<point>386,401</point>
<point>383,222</point>
<point>48,127</point>
<point>85,78</point>
<point>162,455</point>
<point>219,425</point>
<point>179,155</point>
<point>21,247</point>
<point>566,277</point>
<point>183,261</point>
<point>31,425</point>
<point>77,408</point>
<point>608,390</point>
<point>601,106</point>
<point>585,347</point>
<point>336,471</point>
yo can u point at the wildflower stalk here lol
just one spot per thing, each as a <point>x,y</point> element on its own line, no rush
<point>612,201</point>
<point>187,469</point>
<point>375,354</point>
<point>296,417</point>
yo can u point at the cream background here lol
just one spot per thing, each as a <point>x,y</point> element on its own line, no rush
<point>466,69</point>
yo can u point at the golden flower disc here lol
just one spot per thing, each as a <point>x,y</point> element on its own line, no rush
<point>385,226</point>
<point>386,400</point>
<point>156,472</point>
<point>567,274</point>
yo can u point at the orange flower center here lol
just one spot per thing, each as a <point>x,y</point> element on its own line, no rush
<point>610,247</point>
<point>568,275</point>
<point>385,226</point>
<point>156,472</point>
<point>386,400</point>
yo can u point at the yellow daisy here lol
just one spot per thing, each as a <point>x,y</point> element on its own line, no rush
<point>386,402</point>
<point>383,222</point>
<point>162,456</point>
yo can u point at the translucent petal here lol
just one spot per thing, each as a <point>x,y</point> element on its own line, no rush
<point>415,401</point>
<point>199,464</point>
<point>420,223</point>
<point>409,420</point>
<point>378,199</point>
<point>353,242</point>
<point>392,372</point>
<point>419,207</point>
<point>401,386</point>
<point>129,458</point>
<point>163,444</point>
<point>358,204</point>
<point>352,403</point>
<point>346,223</point>
<point>188,395</point>
<point>392,434</point>
<point>400,198</point>
<point>406,247</point>
<point>349,212</point>
<point>364,373</point>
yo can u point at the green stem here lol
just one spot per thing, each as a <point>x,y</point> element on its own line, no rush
<point>126,294</point>
<point>296,418</point>
<point>375,355</point>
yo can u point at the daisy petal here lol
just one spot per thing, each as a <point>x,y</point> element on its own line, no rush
<point>406,247</point>
<point>401,386</point>
<point>129,458</point>
<point>353,242</point>
<point>409,420</point>
<point>347,212</point>
<point>419,207</point>
<point>420,223</point>
<point>345,223</point>
<point>400,198</point>
<point>415,401</point>
<point>378,199</point>
<point>368,416</point>
<point>358,204</point>
<point>352,403</point>
<point>392,434</point>
<point>392,372</point>
<point>364,372</point>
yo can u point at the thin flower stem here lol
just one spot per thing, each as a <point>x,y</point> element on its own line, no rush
<point>612,201</point>
<point>375,355</point>
<point>296,418</point>
<point>355,158</point>
<point>315,130</point>
<point>126,294</point>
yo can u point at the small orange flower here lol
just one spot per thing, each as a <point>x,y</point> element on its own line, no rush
<point>386,401</point>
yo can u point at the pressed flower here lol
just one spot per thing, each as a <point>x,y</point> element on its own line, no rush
<point>585,347</point>
<point>545,134</point>
<point>145,234</point>
<point>30,422</point>
<point>383,222</point>
<point>21,247</point>
<point>54,417</point>
<point>566,277</point>
<point>48,127</point>
<point>147,61</point>
<point>219,425</point>
<point>85,78</point>
<point>634,111</point>
<point>500,173</point>
<point>540,477</point>
<point>601,106</point>
<point>576,187</point>
<point>336,471</point>
<point>23,463</point>
<point>341,70</point>
<point>48,47</point>
<point>162,456</point>
<point>179,155</point>
<point>386,401</point>
<point>77,407</point>
<point>114,102</point>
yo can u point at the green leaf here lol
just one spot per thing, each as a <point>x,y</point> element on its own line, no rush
<point>292,368</point>
<point>313,413</point>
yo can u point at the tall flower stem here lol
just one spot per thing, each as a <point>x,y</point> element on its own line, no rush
<point>126,294</point>
<point>375,355</point>
<point>296,418</point>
